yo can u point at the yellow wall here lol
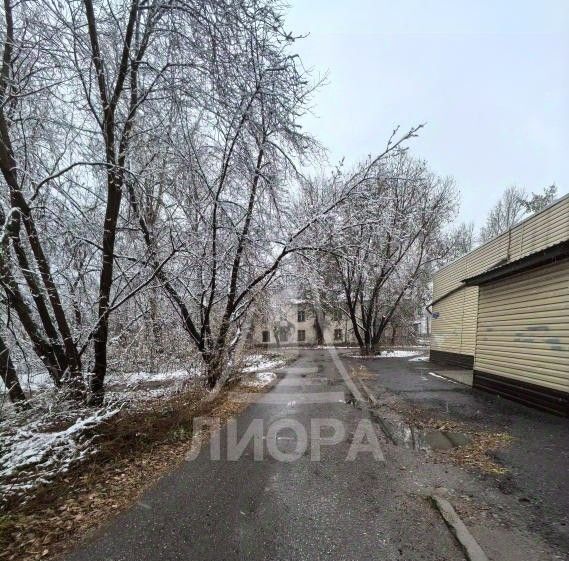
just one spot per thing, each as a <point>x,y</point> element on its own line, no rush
<point>547,228</point>
<point>523,327</point>
<point>455,330</point>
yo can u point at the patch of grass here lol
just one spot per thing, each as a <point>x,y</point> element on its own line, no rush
<point>180,434</point>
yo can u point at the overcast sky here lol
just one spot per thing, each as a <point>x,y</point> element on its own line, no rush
<point>490,79</point>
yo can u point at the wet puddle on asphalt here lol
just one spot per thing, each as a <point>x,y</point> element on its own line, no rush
<point>415,438</point>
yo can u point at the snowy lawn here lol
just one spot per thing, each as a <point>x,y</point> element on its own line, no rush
<point>133,378</point>
<point>424,358</point>
<point>139,387</point>
<point>32,454</point>
<point>260,380</point>
<point>262,362</point>
<point>40,444</point>
<point>46,441</point>
<point>398,353</point>
<point>321,347</point>
<point>258,369</point>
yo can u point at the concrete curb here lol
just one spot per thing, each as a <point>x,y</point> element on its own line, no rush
<point>370,396</point>
<point>376,416</point>
<point>470,546</point>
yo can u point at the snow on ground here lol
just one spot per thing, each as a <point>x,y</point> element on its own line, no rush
<point>388,354</point>
<point>260,379</point>
<point>424,358</point>
<point>141,377</point>
<point>40,380</point>
<point>258,369</point>
<point>138,387</point>
<point>36,381</point>
<point>435,375</point>
<point>261,362</point>
<point>47,440</point>
<point>320,347</point>
<point>139,396</point>
<point>32,455</point>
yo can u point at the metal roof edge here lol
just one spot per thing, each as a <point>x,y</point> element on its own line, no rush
<point>551,254</point>
<point>523,221</point>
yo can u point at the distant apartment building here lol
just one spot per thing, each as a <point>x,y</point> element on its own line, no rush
<point>295,322</point>
<point>503,311</point>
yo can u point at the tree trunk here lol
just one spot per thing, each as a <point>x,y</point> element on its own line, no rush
<point>214,369</point>
<point>367,349</point>
<point>101,336</point>
<point>318,329</point>
<point>68,369</point>
<point>42,347</point>
<point>154,325</point>
<point>368,346</point>
<point>10,377</point>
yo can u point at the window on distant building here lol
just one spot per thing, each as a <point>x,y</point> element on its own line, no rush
<point>337,334</point>
<point>283,336</point>
<point>301,316</point>
<point>337,315</point>
<point>266,336</point>
<point>249,335</point>
<point>301,335</point>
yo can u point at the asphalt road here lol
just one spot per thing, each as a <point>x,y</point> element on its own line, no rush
<point>270,509</point>
<point>537,458</point>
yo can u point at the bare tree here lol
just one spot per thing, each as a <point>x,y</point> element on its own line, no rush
<point>512,207</point>
<point>539,201</point>
<point>383,241</point>
<point>75,76</point>
<point>228,195</point>
<point>507,212</point>
<point>150,152</point>
<point>9,375</point>
<point>115,93</point>
<point>461,240</point>
<point>23,256</point>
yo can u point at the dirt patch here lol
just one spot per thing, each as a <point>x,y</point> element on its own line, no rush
<point>477,454</point>
<point>135,449</point>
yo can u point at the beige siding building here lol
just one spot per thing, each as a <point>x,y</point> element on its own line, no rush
<point>503,310</point>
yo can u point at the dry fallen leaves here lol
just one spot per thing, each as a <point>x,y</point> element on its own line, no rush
<point>476,455</point>
<point>133,457</point>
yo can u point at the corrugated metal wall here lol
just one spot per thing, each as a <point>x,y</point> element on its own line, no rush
<point>454,330</point>
<point>542,230</point>
<point>482,258</point>
<point>456,333</point>
<point>470,313</point>
<point>523,327</point>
